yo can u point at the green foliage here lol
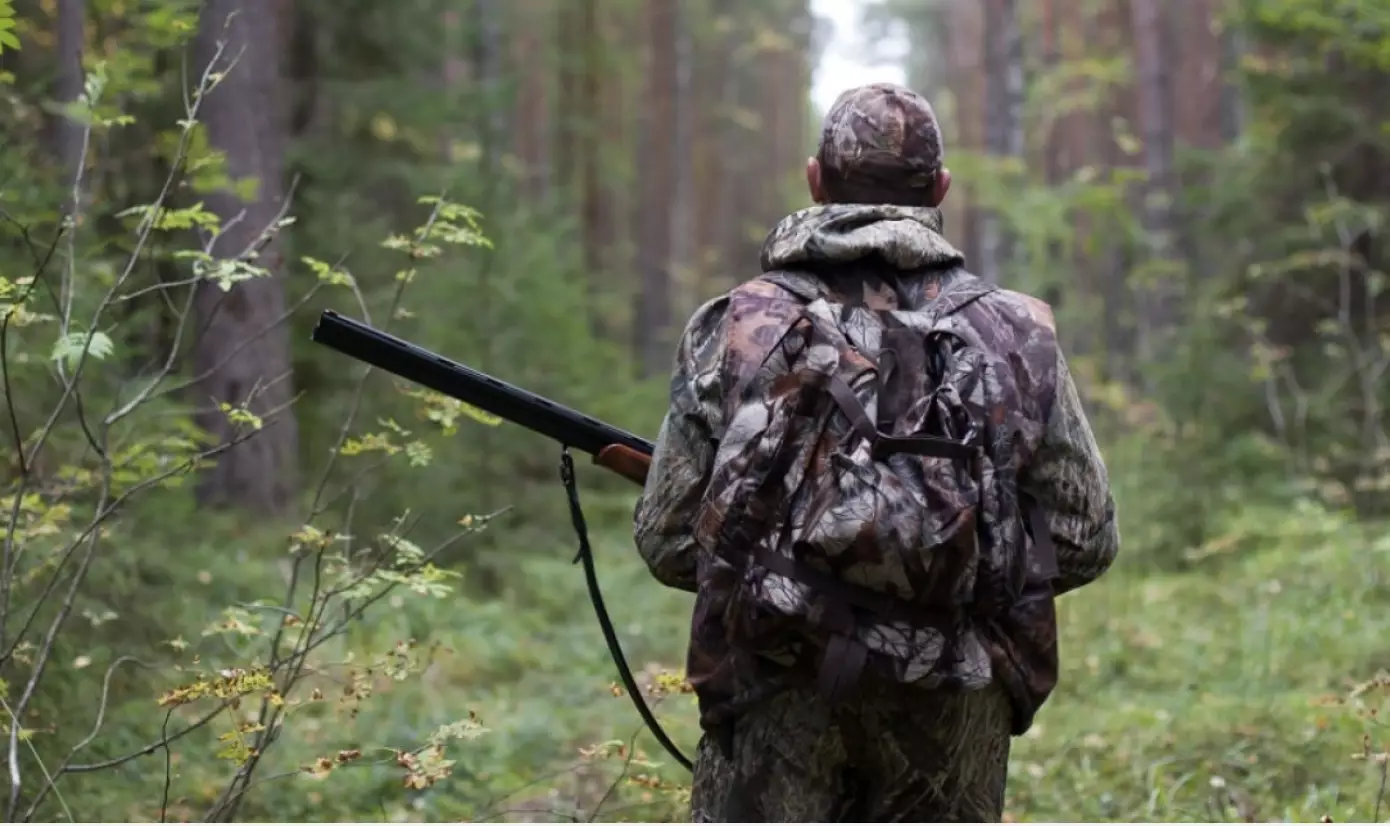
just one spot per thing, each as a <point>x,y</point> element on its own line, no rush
<point>83,494</point>
<point>1228,692</point>
<point>390,654</point>
<point>7,26</point>
<point>1219,694</point>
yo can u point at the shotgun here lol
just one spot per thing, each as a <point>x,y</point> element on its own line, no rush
<point>617,450</point>
<point>612,448</point>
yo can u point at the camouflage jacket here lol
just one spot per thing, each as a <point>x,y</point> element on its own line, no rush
<point>887,258</point>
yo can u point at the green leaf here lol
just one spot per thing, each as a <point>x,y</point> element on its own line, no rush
<point>7,26</point>
<point>241,416</point>
<point>327,273</point>
<point>192,217</point>
<point>69,348</point>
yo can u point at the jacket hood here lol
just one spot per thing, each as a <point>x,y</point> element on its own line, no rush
<point>906,238</point>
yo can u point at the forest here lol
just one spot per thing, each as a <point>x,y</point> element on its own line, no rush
<point>247,578</point>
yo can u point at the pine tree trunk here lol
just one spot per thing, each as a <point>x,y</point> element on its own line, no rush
<point>67,134</point>
<point>531,103</point>
<point>1232,104</point>
<point>242,354</point>
<point>1003,120</point>
<point>657,170</point>
<point>1152,53</point>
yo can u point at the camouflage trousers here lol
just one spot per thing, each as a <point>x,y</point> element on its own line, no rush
<point>889,754</point>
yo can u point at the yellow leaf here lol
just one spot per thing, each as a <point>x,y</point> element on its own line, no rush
<point>461,151</point>
<point>1128,144</point>
<point>384,127</point>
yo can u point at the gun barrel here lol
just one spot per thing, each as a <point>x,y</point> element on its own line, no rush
<point>459,381</point>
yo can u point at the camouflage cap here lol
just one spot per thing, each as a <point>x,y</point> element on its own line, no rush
<point>881,136</point>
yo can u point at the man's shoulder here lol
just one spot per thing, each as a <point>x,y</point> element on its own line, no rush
<point>1020,310</point>
<point>1020,328</point>
<point>743,309</point>
<point>705,330</point>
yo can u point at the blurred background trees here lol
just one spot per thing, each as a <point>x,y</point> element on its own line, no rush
<point>1198,187</point>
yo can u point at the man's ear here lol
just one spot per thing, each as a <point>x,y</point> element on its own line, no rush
<point>813,181</point>
<point>941,186</point>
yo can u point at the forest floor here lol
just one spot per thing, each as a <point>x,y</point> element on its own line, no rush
<point>1215,693</point>
<point>1210,694</point>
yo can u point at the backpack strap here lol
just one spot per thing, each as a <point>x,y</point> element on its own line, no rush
<point>883,445</point>
<point>762,314</point>
<point>961,291</point>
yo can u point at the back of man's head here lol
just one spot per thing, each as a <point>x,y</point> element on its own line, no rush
<point>880,144</point>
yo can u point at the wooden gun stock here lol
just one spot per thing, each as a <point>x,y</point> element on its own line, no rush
<point>625,461</point>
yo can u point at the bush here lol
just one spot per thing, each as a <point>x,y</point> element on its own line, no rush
<point>101,457</point>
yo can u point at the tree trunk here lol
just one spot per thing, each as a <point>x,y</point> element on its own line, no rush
<point>657,170</point>
<point>1152,53</point>
<point>242,354</point>
<point>711,68</point>
<point>1105,26</point>
<point>1232,105</point>
<point>1049,142</point>
<point>488,38</point>
<point>592,209</point>
<point>683,197</point>
<point>1003,119</point>
<point>730,136</point>
<point>963,53</point>
<point>530,107</point>
<point>569,50</point>
<point>67,134</point>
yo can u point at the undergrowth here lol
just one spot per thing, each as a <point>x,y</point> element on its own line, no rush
<point>1242,688</point>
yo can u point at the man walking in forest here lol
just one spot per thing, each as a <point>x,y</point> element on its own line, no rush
<point>876,475</point>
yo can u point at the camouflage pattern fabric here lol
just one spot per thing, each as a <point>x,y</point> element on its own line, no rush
<point>820,528</point>
<point>889,755</point>
<point>879,258</point>
<point>881,135</point>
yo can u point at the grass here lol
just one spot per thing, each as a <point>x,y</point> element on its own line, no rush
<point>1188,696</point>
<point>1192,696</point>
<point>1204,695</point>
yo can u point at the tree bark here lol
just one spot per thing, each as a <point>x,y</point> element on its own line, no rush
<point>683,243</point>
<point>1152,55</point>
<point>488,38</point>
<point>592,209</point>
<point>530,107</point>
<point>1105,27</point>
<point>67,133</point>
<point>733,168</point>
<point>1003,120</point>
<point>569,49</point>
<point>242,354</point>
<point>1232,103</point>
<point>657,170</point>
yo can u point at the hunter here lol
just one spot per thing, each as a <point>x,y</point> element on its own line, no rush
<point>876,476</point>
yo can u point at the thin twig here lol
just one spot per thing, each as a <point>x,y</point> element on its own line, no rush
<point>168,765</point>
<point>40,265</point>
<point>51,784</point>
<point>7,568</point>
<point>1380,794</point>
<point>105,509</point>
<point>143,751</point>
<point>622,775</point>
<point>14,724</point>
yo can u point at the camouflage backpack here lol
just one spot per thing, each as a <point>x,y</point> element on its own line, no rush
<point>864,486</point>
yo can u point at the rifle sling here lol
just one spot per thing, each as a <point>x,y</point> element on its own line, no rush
<point>586,556</point>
